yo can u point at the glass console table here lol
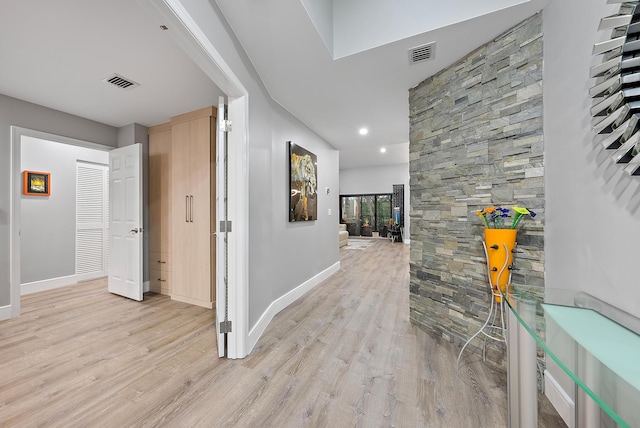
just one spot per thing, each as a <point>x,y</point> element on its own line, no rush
<point>595,344</point>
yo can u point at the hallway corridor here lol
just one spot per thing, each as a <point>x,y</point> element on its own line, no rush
<point>344,355</point>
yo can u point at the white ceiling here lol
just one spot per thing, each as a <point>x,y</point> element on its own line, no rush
<point>57,53</point>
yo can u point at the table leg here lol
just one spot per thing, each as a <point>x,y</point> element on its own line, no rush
<point>587,412</point>
<point>522,386</point>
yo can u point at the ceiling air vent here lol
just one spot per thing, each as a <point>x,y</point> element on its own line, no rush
<point>121,82</point>
<point>422,53</point>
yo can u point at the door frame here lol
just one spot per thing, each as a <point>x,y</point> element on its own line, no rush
<point>15,213</point>
<point>192,40</point>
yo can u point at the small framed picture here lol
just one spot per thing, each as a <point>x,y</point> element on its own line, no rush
<point>37,183</point>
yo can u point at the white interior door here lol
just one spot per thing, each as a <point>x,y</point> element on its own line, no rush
<point>221,217</point>
<point>125,222</point>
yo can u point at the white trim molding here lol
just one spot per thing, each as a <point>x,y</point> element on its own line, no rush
<point>14,224</point>
<point>47,284</point>
<point>5,312</point>
<point>563,404</point>
<point>285,300</point>
<point>53,283</point>
<point>238,210</point>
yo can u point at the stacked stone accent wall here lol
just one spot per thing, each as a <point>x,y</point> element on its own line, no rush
<point>476,140</point>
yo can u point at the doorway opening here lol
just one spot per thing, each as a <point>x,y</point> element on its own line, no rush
<point>45,221</point>
<point>190,37</point>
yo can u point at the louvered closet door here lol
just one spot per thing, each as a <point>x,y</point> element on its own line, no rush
<point>92,221</point>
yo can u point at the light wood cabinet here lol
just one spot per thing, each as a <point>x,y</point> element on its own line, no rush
<point>160,272</point>
<point>160,208</point>
<point>192,207</point>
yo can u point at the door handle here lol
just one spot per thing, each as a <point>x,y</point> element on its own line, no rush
<point>191,209</point>
<point>136,230</point>
<point>186,209</point>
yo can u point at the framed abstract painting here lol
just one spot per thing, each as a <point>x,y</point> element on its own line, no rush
<point>303,184</point>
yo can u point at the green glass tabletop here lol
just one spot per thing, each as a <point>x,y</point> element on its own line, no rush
<point>596,344</point>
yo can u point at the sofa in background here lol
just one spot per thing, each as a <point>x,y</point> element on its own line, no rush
<point>343,235</point>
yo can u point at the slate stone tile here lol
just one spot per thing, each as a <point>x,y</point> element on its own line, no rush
<point>475,140</point>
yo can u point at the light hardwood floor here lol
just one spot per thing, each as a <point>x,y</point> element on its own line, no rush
<point>344,355</point>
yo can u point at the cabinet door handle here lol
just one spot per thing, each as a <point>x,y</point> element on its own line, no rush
<point>191,209</point>
<point>186,209</point>
<point>162,280</point>
<point>160,261</point>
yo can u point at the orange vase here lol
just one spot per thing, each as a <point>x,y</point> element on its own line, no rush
<point>495,240</point>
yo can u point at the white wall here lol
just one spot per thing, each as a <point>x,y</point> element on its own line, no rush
<point>358,26</point>
<point>378,179</point>
<point>592,206</point>
<point>321,13</point>
<point>48,224</point>
<point>282,255</point>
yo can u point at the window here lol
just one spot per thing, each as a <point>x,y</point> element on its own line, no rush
<point>364,214</point>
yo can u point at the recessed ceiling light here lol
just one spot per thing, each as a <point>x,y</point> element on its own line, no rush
<point>383,150</point>
<point>363,131</point>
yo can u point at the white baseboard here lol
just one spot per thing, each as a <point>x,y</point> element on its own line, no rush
<point>561,401</point>
<point>63,281</point>
<point>5,312</point>
<point>284,301</point>
<point>47,284</point>
<point>90,276</point>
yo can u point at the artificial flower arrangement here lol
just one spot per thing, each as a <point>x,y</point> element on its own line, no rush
<point>494,217</point>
